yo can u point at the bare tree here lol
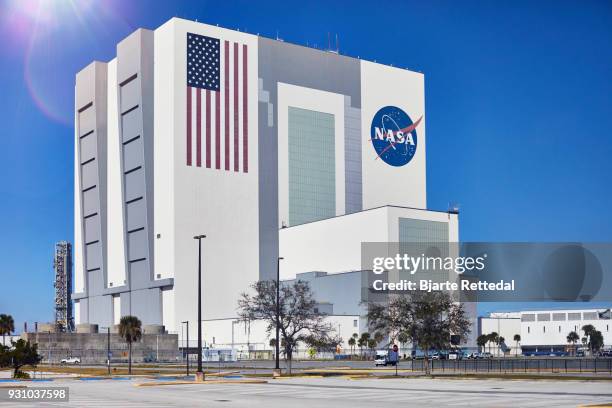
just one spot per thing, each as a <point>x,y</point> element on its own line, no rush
<point>428,319</point>
<point>297,316</point>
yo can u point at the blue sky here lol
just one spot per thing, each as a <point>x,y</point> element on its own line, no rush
<point>518,106</point>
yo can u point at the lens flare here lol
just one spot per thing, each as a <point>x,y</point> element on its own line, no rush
<point>54,38</point>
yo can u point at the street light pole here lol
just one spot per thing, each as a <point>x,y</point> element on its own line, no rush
<point>187,322</point>
<point>199,373</point>
<point>108,355</point>
<point>278,312</point>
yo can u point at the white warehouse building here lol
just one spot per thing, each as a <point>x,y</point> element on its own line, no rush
<point>545,331</point>
<point>268,148</point>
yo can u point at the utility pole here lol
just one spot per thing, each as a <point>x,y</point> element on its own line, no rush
<point>199,373</point>
<point>187,322</point>
<point>108,352</point>
<point>278,313</point>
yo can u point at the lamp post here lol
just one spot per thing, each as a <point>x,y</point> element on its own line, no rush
<point>108,352</point>
<point>187,322</point>
<point>278,312</point>
<point>199,373</point>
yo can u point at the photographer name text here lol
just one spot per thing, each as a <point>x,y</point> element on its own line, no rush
<point>428,285</point>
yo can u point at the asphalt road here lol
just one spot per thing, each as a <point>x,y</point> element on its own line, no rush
<point>333,392</point>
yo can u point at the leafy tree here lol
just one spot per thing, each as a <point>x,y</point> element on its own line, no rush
<point>428,319</point>
<point>596,340</point>
<point>390,318</point>
<point>588,329</point>
<point>5,357</point>
<point>517,340</point>
<point>130,330</point>
<point>297,315</point>
<point>482,341</point>
<point>372,343</point>
<point>378,337</point>
<point>322,342</point>
<point>20,354</point>
<point>7,326</point>
<point>403,338</point>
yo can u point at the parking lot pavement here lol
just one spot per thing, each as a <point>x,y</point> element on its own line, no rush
<point>336,392</point>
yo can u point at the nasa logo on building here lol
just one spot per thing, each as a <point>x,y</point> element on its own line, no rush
<point>393,135</point>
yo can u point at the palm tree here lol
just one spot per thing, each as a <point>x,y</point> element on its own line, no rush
<point>588,330</point>
<point>482,341</point>
<point>7,326</point>
<point>130,330</point>
<point>493,338</point>
<point>372,343</point>
<point>573,338</point>
<point>501,341</point>
<point>517,339</point>
<point>363,341</point>
<point>351,343</point>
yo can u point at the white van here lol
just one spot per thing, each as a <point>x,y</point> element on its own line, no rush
<point>381,358</point>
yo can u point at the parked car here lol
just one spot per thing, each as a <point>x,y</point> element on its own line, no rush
<point>485,355</point>
<point>70,360</point>
<point>472,356</point>
<point>437,356</point>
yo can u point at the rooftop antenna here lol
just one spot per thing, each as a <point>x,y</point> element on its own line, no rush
<point>337,45</point>
<point>328,42</point>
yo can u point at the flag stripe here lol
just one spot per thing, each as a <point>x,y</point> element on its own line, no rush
<point>189,126</point>
<point>245,112</point>
<point>199,128</point>
<point>208,128</point>
<point>236,127</point>
<point>217,130</point>
<point>226,80</point>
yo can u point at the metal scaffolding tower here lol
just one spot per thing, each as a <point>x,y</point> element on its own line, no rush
<point>62,265</point>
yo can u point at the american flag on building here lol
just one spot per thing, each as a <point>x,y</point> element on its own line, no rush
<point>217,104</point>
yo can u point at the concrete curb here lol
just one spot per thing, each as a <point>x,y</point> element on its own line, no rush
<point>155,384</point>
